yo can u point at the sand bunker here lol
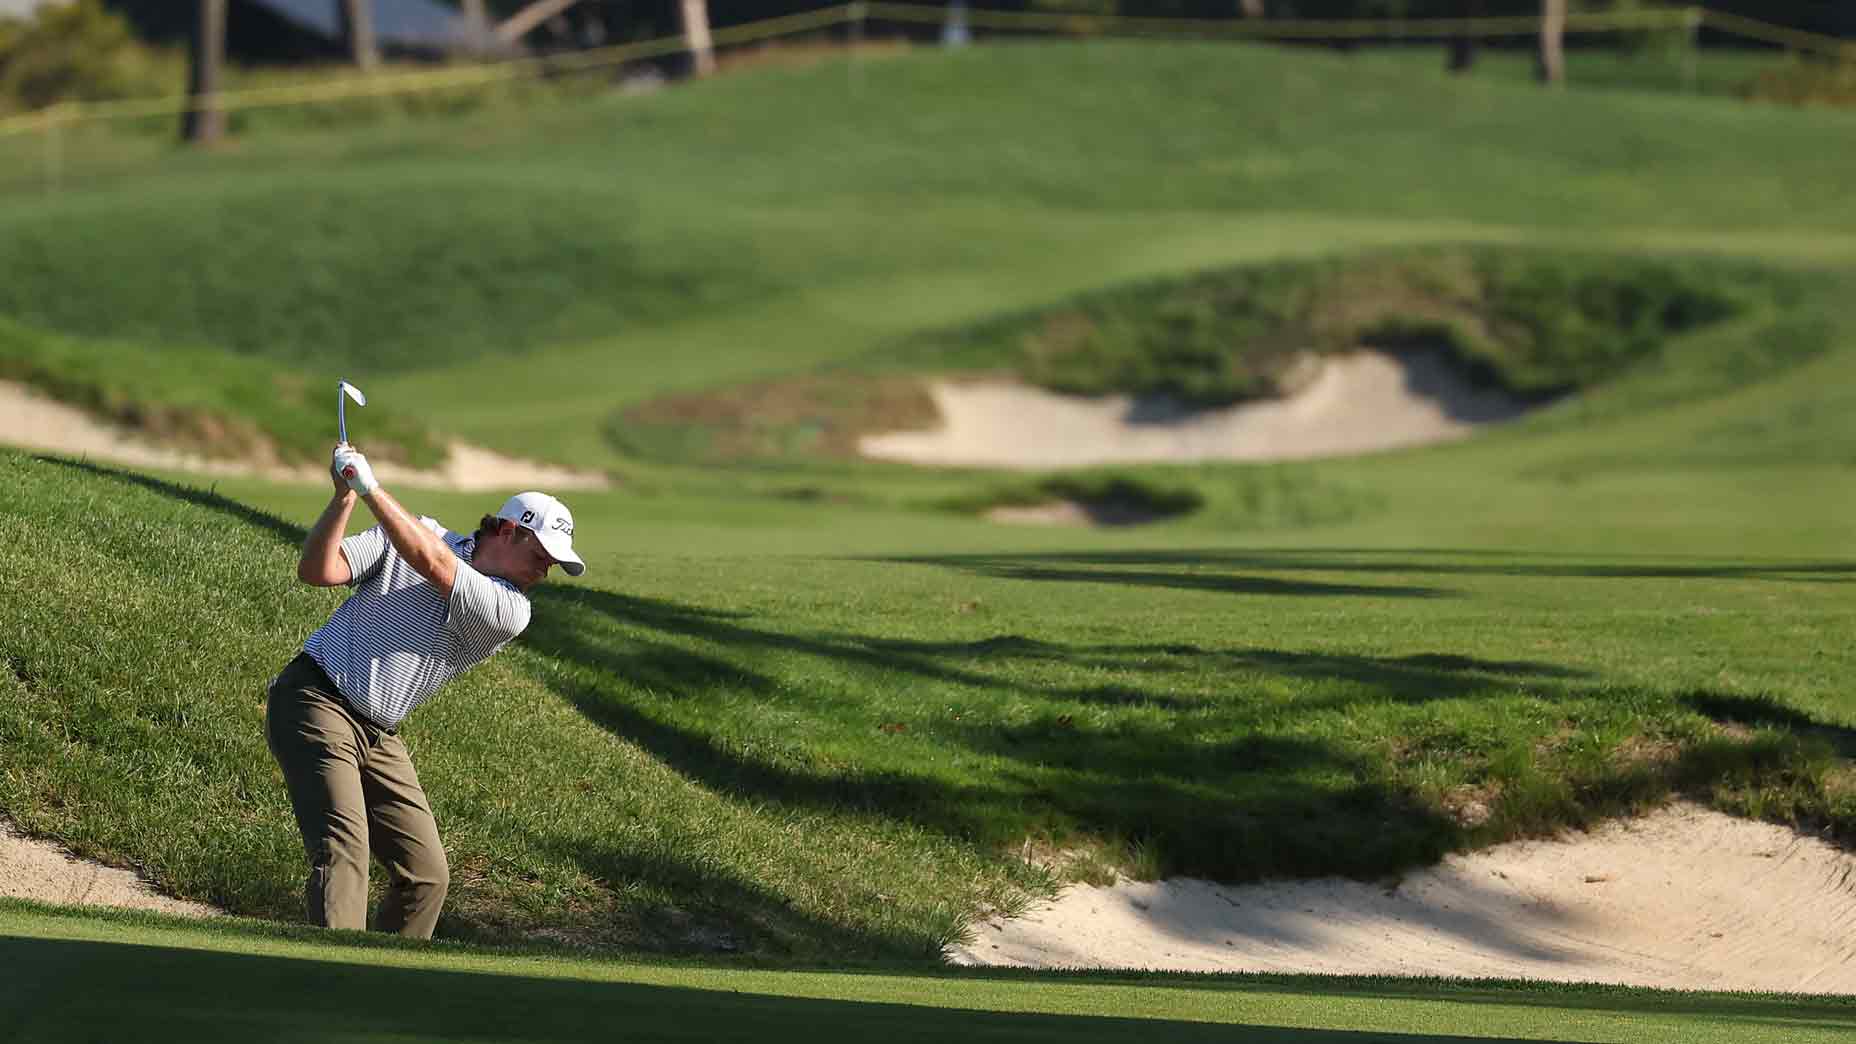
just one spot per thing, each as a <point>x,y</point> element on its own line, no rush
<point>1686,898</point>
<point>32,421</point>
<point>1356,403</point>
<point>44,872</point>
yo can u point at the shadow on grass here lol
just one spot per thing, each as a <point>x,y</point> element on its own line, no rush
<point>1171,757</point>
<point>162,992</point>
<point>724,913</point>
<point>175,993</point>
<point>1765,712</point>
<point>1012,569</point>
<point>287,532</point>
<point>1121,567</point>
<point>1249,805</point>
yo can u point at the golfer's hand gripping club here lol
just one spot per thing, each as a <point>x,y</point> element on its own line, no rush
<point>353,468</point>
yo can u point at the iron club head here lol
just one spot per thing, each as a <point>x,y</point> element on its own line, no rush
<point>344,392</point>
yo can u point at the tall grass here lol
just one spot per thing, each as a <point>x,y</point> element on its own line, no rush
<point>817,756</point>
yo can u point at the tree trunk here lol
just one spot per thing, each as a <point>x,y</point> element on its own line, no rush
<point>478,29</point>
<point>204,121</point>
<point>1551,64</point>
<point>1251,9</point>
<point>518,25</point>
<point>696,35</point>
<point>1463,44</point>
<point>358,29</point>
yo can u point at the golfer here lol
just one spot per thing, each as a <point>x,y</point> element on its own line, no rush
<point>427,604</point>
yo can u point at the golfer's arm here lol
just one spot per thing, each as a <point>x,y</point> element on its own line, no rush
<point>323,564</point>
<point>420,547</point>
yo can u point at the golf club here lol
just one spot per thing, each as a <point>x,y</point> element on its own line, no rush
<point>344,392</point>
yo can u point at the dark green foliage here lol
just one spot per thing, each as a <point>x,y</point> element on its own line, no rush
<point>77,52</point>
<point>1535,323</point>
<point>1108,498</point>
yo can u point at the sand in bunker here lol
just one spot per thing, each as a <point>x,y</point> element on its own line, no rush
<point>1685,898</point>
<point>1356,403</point>
<point>39,870</point>
<point>32,421</point>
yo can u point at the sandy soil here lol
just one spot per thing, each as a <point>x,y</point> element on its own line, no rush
<point>33,421</point>
<point>38,870</point>
<point>1356,403</point>
<point>1685,898</point>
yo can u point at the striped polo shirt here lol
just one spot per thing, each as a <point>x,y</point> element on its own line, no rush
<point>396,640</point>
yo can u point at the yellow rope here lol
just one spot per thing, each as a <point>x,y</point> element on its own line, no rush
<point>1524,25</point>
<point>387,84</point>
<point>384,84</point>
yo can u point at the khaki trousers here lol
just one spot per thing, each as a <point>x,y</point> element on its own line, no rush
<point>354,790</point>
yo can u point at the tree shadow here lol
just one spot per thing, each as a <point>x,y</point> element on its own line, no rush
<point>1766,712</point>
<point>286,532</point>
<point>553,631</point>
<point>724,913</point>
<point>1120,566</point>
<point>1239,808</point>
<point>51,995</point>
<point>1032,568</point>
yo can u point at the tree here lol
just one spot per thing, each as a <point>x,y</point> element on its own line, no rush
<point>696,35</point>
<point>1551,66</point>
<point>478,25</point>
<point>1463,44</point>
<point>204,122</point>
<point>518,25</point>
<point>358,30</point>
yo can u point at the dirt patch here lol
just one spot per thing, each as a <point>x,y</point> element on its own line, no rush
<point>1361,402</point>
<point>1686,898</point>
<point>33,421</point>
<point>39,870</point>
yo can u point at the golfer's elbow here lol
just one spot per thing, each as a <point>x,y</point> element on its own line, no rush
<point>321,574</point>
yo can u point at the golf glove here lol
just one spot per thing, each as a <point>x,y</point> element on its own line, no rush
<point>354,469</point>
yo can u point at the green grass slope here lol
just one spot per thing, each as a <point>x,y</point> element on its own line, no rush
<point>821,754</point>
<point>777,218</point>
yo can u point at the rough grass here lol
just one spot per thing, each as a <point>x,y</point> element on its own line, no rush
<point>1537,324</point>
<point>811,756</point>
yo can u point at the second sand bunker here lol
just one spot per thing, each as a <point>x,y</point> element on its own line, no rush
<point>1360,402</point>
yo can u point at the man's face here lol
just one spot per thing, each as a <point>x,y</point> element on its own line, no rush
<point>515,555</point>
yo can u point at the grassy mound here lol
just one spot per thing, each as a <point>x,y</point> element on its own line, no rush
<point>1105,498</point>
<point>850,757</point>
<point>1537,324</point>
<point>206,401</point>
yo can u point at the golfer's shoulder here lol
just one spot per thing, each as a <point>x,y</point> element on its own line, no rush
<point>497,604</point>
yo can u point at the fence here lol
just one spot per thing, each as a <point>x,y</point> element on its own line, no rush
<point>51,122</point>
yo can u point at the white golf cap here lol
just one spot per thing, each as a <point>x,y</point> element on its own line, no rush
<point>553,525</point>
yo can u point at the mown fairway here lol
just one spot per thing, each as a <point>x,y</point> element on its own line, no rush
<point>798,709</point>
<point>284,979</point>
